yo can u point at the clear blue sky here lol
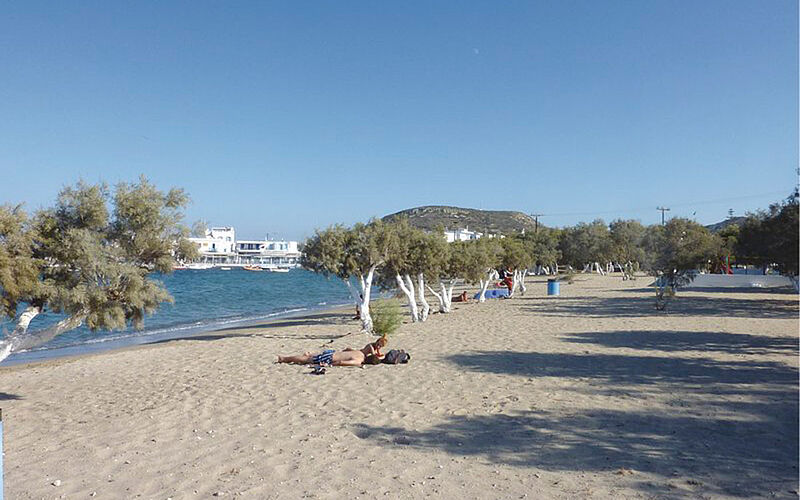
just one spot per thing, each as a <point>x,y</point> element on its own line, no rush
<point>283,117</point>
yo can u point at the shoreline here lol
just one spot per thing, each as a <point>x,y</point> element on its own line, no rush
<point>39,356</point>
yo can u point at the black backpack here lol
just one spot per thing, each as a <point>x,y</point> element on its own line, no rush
<point>396,356</point>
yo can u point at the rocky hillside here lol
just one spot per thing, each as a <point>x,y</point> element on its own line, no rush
<point>727,222</point>
<point>491,221</point>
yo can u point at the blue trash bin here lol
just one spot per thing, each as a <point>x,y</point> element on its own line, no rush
<point>553,287</point>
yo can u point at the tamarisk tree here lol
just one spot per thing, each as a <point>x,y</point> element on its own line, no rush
<point>350,254</point>
<point>442,267</point>
<point>678,249</point>
<point>86,263</point>
<point>477,261</point>
<point>517,256</point>
<point>402,262</point>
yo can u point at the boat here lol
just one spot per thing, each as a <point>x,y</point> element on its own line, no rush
<point>252,268</point>
<point>225,268</point>
<point>199,265</point>
<point>280,269</point>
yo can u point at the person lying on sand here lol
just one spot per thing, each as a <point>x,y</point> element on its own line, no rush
<point>370,354</point>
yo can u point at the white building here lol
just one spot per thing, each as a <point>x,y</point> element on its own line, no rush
<point>219,246</point>
<point>461,235</point>
<point>218,242</point>
<point>268,252</point>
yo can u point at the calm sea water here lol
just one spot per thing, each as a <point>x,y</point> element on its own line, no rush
<point>205,300</point>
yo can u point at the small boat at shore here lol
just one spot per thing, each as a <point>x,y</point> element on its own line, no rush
<point>252,268</point>
<point>198,265</point>
<point>280,269</point>
<point>225,268</point>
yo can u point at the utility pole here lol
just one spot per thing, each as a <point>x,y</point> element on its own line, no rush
<point>730,213</point>
<point>663,209</point>
<point>536,222</point>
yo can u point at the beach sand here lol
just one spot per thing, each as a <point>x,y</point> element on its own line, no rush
<point>593,394</point>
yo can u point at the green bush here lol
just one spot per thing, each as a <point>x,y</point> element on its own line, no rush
<point>386,316</point>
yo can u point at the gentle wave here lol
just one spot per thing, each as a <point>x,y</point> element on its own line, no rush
<point>205,301</point>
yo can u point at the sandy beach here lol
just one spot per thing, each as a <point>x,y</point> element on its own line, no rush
<point>593,394</point>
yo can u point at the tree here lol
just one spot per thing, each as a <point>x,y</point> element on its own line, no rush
<point>544,249</point>
<point>476,262</point>
<point>586,244</point>
<point>444,268</point>
<point>401,263</point>
<point>350,254</point>
<point>771,237</point>
<point>92,266</point>
<point>518,257</point>
<point>199,229</point>
<point>626,241</point>
<point>678,249</point>
<point>431,253</point>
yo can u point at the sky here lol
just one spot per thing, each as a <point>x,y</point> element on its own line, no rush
<point>282,117</point>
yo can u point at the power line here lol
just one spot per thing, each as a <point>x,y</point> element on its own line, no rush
<point>536,221</point>
<point>674,205</point>
<point>662,214</point>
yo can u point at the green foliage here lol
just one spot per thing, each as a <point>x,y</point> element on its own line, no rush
<point>79,259</point>
<point>386,317</point>
<point>516,253</point>
<point>626,241</point>
<point>680,245</point>
<point>199,229</point>
<point>472,259</point>
<point>584,243</point>
<point>771,237</point>
<point>19,269</point>
<point>676,251</point>
<point>543,246</point>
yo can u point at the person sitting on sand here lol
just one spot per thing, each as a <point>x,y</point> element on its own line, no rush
<point>370,354</point>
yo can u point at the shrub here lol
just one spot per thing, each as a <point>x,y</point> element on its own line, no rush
<point>386,317</point>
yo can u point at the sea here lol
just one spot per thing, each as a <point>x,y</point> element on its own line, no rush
<point>205,300</point>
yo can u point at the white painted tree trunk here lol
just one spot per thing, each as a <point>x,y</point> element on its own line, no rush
<point>353,295</point>
<point>407,287</point>
<point>447,293</point>
<point>445,298</point>
<point>492,275</point>
<point>439,297</point>
<point>366,292</point>
<point>24,340</point>
<point>24,321</point>
<point>362,301</point>
<point>522,288</point>
<point>426,308</point>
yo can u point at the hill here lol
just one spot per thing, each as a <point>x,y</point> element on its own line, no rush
<point>486,221</point>
<point>727,222</point>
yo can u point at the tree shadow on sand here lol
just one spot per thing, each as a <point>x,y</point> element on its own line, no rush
<point>733,431</point>
<point>681,305</point>
<point>626,369</point>
<point>737,458</point>
<point>672,341</point>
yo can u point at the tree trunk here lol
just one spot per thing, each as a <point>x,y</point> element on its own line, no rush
<point>366,292</point>
<point>16,343</point>
<point>440,298</point>
<point>448,295</point>
<point>421,292</point>
<point>485,284</point>
<point>24,320</point>
<point>522,288</point>
<point>408,289</point>
<point>354,295</point>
